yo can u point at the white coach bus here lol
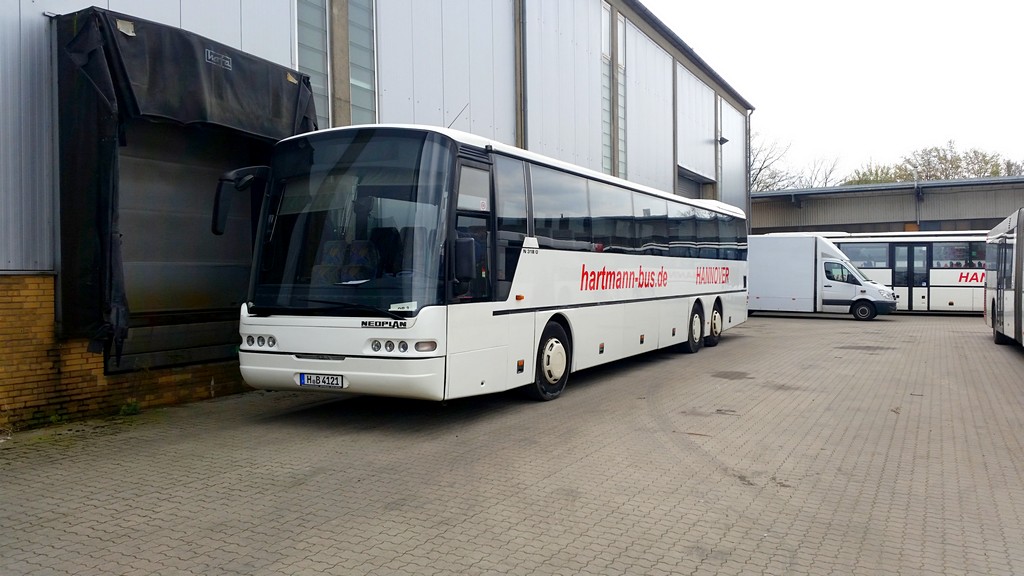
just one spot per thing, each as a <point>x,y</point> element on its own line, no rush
<point>928,271</point>
<point>1003,302</point>
<point>420,262</point>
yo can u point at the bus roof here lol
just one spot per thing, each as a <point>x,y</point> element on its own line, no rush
<point>508,150</point>
<point>897,237</point>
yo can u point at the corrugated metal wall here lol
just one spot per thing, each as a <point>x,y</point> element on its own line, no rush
<point>563,84</point>
<point>26,151</point>
<point>648,111</point>
<point>27,175</point>
<point>949,204</point>
<point>448,63</point>
<point>829,211</point>
<point>734,157</point>
<point>696,119</point>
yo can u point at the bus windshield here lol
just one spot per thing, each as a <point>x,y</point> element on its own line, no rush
<point>351,225</point>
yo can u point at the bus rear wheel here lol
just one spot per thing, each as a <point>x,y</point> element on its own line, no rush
<point>695,336</point>
<point>554,357</point>
<point>715,335</point>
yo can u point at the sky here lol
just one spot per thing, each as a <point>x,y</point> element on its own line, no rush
<point>868,81</point>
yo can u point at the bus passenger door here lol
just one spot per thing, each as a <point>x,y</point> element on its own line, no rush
<point>910,276</point>
<point>477,338</point>
<point>1002,276</point>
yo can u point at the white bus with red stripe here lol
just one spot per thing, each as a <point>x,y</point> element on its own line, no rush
<point>928,271</point>
<point>420,262</point>
<point>1003,289</point>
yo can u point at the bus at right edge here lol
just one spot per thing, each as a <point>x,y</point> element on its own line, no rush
<point>1003,280</point>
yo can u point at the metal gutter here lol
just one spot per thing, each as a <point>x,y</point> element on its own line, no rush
<point>889,187</point>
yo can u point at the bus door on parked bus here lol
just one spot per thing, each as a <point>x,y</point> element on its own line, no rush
<point>1004,282</point>
<point>1003,262</point>
<point>910,276</point>
<point>941,271</point>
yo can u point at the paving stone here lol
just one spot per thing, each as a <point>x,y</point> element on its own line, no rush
<point>797,446</point>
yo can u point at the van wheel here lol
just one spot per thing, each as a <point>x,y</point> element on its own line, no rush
<point>863,311</point>
<point>715,335</point>
<point>696,332</point>
<point>554,357</point>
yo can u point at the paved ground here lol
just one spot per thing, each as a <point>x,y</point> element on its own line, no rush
<point>797,446</point>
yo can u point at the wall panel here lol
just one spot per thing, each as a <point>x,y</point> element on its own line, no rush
<point>448,63</point>
<point>27,109</point>
<point>222,24</point>
<point>563,84</point>
<point>648,111</point>
<point>695,110</point>
<point>733,189</point>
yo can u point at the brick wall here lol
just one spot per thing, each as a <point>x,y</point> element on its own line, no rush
<point>45,381</point>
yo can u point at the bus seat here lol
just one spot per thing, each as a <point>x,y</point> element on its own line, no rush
<point>388,243</point>
<point>331,252</point>
<point>360,263</point>
<point>327,268</point>
<point>414,239</point>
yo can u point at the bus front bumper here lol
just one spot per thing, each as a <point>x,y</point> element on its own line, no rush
<point>419,378</point>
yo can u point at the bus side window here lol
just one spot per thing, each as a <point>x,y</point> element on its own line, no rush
<point>510,202</point>
<point>472,236</point>
<point>471,245</point>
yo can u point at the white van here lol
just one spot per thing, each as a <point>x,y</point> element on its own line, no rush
<point>803,272</point>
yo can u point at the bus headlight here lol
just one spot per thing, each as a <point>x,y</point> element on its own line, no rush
<point>389,346</point>
<point>426,346</point>
<point>260,341</point>
<point>375,345</point>
<point>403,346</point>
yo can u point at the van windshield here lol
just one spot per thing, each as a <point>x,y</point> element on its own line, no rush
<point>856,272</point>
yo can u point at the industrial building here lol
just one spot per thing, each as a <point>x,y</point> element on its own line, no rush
<point>946,205</point>
<point>113,293</point>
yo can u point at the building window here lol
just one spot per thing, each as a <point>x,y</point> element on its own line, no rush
<point>621,86</point>
<point>313,46</point>
<point>362,78</point>
<point>606,89</point>
<point>613,72</point>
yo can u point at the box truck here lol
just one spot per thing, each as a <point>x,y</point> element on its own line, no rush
<point>797,272</point>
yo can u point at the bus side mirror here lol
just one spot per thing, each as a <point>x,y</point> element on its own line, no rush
<point>465,259</point>
<point>229,184</point>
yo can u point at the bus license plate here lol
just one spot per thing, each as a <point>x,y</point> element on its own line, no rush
<point>322,380</point>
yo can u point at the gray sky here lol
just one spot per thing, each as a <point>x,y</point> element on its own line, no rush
<point>866,81</point>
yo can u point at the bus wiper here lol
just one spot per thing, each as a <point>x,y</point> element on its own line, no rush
<point>348,306</point>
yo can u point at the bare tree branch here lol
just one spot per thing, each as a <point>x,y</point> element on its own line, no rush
<point>820,174</point>
<point>766,166</point>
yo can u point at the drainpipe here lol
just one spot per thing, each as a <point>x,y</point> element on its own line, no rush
<point>918,199</point>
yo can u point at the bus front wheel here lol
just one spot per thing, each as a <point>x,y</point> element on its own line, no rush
<point>554,357</point>
<point>695,336</point>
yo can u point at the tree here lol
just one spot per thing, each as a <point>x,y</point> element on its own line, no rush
<point>820,174</point>
<point>872,173</point>
<point>1011,168</point>
<point>767,170</point>
<point>937,163</point>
